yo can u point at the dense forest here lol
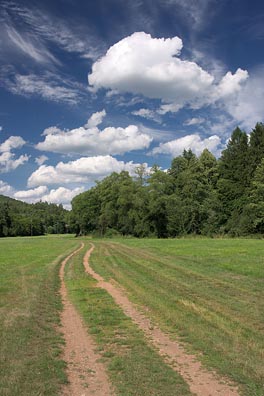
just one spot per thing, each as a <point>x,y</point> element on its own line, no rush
<point>197,195</point>
<point>20,218</point>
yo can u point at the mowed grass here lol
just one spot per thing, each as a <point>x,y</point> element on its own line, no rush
<point>207,292</point>
<point>134,368</point>
<point>29,315</point>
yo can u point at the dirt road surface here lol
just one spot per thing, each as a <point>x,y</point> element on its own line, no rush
<point>87,376</point>
<point>201,381</point>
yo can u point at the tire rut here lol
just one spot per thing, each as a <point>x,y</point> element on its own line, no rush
<point>86,375</point>
<point>200,381</point>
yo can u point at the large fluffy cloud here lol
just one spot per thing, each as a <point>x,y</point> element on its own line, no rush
<point>8,160</point>
<point>247,106</point>
<point>31,195</point>
<point>230,84</point>
<point>89,140</point>
<point>60,195</point>
<point>150,66</point>
<point>85,169</point>
<point>193,142</point>
<point>13,142</point>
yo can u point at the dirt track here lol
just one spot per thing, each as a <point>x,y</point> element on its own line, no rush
<point>87,377</point>
<point>201,381</point>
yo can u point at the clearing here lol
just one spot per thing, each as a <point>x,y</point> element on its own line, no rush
<point>152,317</point>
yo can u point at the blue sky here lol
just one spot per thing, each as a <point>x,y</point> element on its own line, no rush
<point>92,87</point>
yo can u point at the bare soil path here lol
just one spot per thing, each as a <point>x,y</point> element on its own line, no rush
<point>200,381</point>
<point>87,376</point>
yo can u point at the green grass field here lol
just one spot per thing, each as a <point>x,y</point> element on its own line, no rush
<point>134,368</point>
<point>29,315</point>
<point>207,292</point>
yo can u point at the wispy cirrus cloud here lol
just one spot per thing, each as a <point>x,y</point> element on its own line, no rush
<point>30,46</point>
<point>44,29</point>
<point>148,114</point>
<point>196,13</point>
<point>41,159</point>
<point>194,121</point>
<point>48,85</point>
<point>31,53</point>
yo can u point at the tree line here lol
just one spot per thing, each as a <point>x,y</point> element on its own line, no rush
<point>23,219</point>
<point>197,195</point>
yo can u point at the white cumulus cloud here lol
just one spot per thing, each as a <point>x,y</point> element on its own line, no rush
<point>5,188</point>
<point>193,142</point>
<point>89,140</point>
<point>62,195</point>
<point>13,142</point>
<point>232,83</point>
<point>95,119</point>
<point>247,106</point>
<point>82,170</point>
<point>31,195</point>
<point>59,195</point>
<point>152,67</point>
<point>8,160</point>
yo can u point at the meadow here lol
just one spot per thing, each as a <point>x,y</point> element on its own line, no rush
<point>29,315</point>
<point>134,368</point>
<point>207,293</point>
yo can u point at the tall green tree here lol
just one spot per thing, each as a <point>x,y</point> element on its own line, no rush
<point>159,187</point>
<point>234,178</point>
<point>86,210</point>
<point>256,147</point>
<point>253,214</point>
<point>191,178</point>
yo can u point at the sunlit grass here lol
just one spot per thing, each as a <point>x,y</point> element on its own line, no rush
<point>208,292</point>
<point>134,368</point>
<point>29,315</point>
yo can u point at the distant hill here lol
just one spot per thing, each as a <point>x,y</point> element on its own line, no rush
<point>4,198</point>
<point>19,218</point>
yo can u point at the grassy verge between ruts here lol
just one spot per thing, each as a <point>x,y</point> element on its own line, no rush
<point>29,315</point>
<point>208,292</point>
<point>134,368</point>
